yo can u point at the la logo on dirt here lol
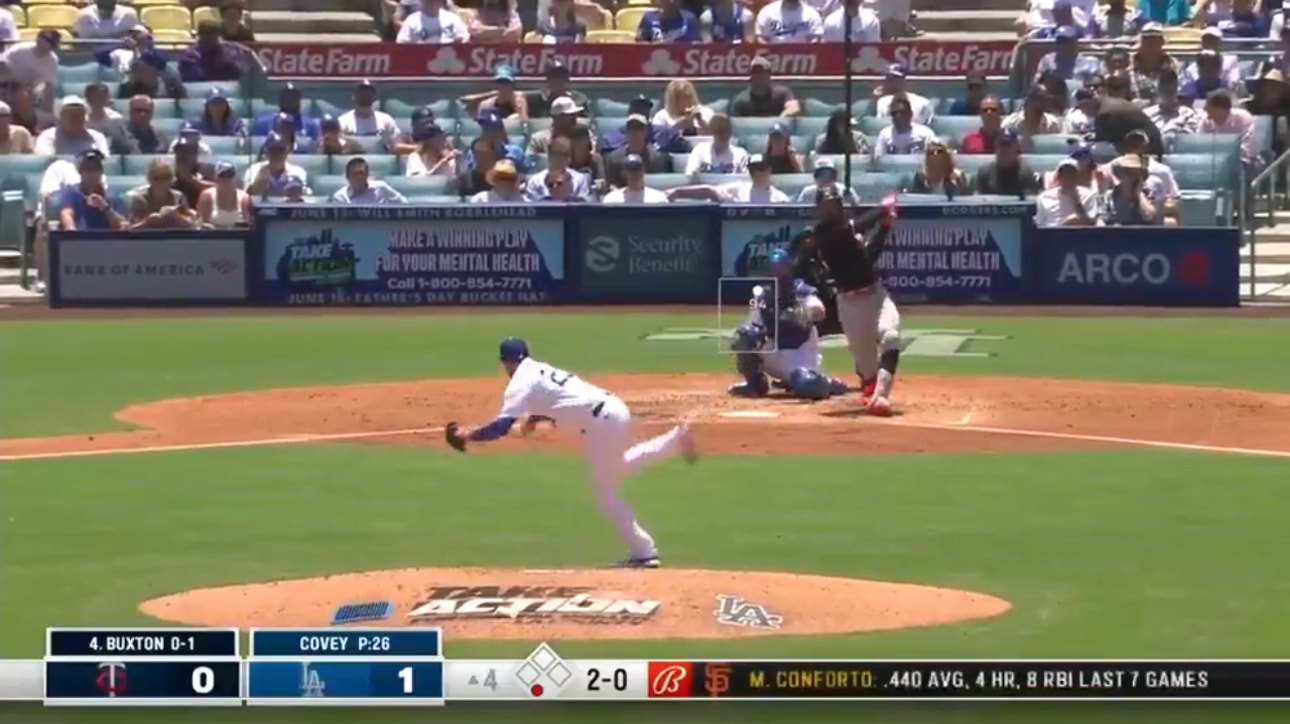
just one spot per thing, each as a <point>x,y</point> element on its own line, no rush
<point>530,604</point>
<point>916,342</point>
<point>321,260</point>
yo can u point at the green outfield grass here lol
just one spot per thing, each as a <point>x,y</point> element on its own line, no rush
<point>1110,554</point>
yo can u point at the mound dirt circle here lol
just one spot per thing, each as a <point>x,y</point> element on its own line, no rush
<point>483,603</point>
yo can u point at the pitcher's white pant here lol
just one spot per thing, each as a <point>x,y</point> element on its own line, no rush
<point>871,324</point>
<point>781,363</point>
<point>608,448</point>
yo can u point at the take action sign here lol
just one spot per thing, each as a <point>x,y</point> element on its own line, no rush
<point>936,58</point>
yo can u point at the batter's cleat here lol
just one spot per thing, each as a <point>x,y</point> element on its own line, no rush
<point>652,562</point>
<point>879,407</point>
<point>743,389</point>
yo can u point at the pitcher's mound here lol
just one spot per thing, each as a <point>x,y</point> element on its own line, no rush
<point>480,603</point>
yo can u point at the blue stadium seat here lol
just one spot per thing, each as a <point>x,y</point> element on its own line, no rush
<point>381,166</point>
<point>421,186</point>
<point>811,125</point>
<point>225,145</point>
<point>19,164</point>
<point>679,160</point>
<point>469,128</point>
<point>719,179</point>
<point>864,107</point>
<point>1204,171</point>
<point>758,126</point>
<point>325,186</point>
<point>610,107</point>
<point>239,162</point>
<point>953,128</point>
<point>230,88</point>
<point>137,165</point>
<point>719,106</point>
<point>261,106</point>
<point>873,186</point>
<point>323,107</point>
<point>74,78</point>
<point>167,124</point>
<point>125,183</point>
<point>1051,143</point>
<point>402,110</point>
<point>193,108</point>
<point>1198,208</point>
<point>605,124</point>
<point>665,181</point>
<point>1043,162</point>
<point>816,108</point>
<point>1206,143</point>
<point>972,163</point>
<point>898,164</point>
<point>871,125</point>
<point>792,183</point>
<point>538,124</point>
<point>313,164</point>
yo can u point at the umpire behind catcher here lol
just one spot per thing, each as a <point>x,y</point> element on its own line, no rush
<point>846,253</point>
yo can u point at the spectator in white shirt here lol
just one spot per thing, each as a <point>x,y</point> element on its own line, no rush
<point>434,155</point>
<point>104,20</point>
<point>102,116</point>
<point>504,180</point>
<point>71,135</point>
<point>35,63</point>
<point>271,177</point>
<point>865,26</point>
<point>826,177</point>
<point>434,24</point>
<point>1078,121</point>
<point>720,155</point>
<point>756,190</point>
<point>824,7</point>
<point>682,110</point>
<point>635,191</point>
<point>903,136</point>
<point>364,121</point>
<point>1067,204</point>
<point>1169,113</point>
<point>363,189</point>
<point>893,87</point>
<point>8,28</point>
<point>789,21</point>
<point>558,182</point>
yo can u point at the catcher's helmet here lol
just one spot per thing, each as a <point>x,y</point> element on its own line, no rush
<point>513,349</point>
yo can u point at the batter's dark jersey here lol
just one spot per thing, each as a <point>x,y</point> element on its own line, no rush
<point>851,265</point>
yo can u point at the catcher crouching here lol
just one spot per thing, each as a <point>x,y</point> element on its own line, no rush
<point>779,341</point>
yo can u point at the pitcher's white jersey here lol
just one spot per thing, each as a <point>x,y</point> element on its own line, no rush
<point>537,388</point>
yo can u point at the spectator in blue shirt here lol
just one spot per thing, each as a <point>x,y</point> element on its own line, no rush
<point>1066,61</point>
<point>1245,21</point>
<point>493,131</point>
<point>559,182</point>
<point>662,138</point>
<point>290,102</point>
<point>211,58</point>
<point>87,206</point>
<point>284,128</point>
<point>970,103</point>
<point>1208,77</point>
<point>217,117</point>
<point>362,189</point>
<point>1063,17</point>
<point>670,23</point>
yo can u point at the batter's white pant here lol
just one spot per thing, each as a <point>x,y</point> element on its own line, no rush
<point>608,448</point>
<point>871,324</point>
<point>781,363</point>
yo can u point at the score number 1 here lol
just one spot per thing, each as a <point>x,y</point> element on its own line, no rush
<point>406,676</point>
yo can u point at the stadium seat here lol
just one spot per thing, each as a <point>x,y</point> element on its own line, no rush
<point>230,88</point>
<point>1204,171</point>
<point>166,17</point>
<point>30,33</point>
<point>953,128</point>
<point>605,124</point>
<point>811,126</point>
<point>864,107</point>
<point>721,105</point>
<point>74,78</point>
<point>719,179</point>
<point>124,184</point>
<point>323,107</point>
<point>1265,130</point>
<point>538,163</point>
<point>665,181</point>
<point>202,13</point>
<point>314,164</point>
<point>402,110</point>
<point>380,166</point>
<point>225,145</point>
<point>629,19</point>
<point>972,163</point>
<point>679,160</point>
<point>51,16</point>
<point>137,164</point>
<point>435,199</point>
<point>816,108</point>
<point>1198,208</point>
<point>1051,143</point>
<point>192,108</point>
<point>871,125</point>
<point>792,183</point>
<point>421,185</point>
<point>610,36</point>
<point>596,18</point>
<point>169,125</point>
<point>325,186</point>
<point>757,126</point>
<point>172,36</point>
<point>22,164</point>
<point>873,186</point>
<point>1043,162</point>
<point>898,164</point>
<point>538,124</point>
<point>19,15</point>
<point>532,36</point>
<point>1206,143</point>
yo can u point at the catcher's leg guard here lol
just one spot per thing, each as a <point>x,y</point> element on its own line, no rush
<point>755,384</point>
<point>808,384</point>
<point>837,386</point>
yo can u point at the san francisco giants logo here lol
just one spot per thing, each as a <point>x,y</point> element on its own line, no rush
<point>716,679</point>
<point>668,680</point>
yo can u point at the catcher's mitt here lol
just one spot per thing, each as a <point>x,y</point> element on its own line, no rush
<point>452,433</point>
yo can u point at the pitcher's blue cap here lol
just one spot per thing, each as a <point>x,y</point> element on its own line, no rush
<point>513,349</point>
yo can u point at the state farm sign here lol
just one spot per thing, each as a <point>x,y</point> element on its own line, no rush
<point>386,60</point>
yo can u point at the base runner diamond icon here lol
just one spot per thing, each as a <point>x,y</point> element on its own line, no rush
<point>527,674</point>
<point>543,665</point>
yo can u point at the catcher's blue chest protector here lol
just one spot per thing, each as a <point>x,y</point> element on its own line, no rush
<point>792,334</point>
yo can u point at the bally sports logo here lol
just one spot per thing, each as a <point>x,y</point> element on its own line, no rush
<point>530,604</point>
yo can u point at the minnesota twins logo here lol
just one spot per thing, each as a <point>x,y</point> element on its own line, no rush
<point>739,611</point>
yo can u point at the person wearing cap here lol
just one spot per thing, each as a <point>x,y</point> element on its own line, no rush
<point>1008,174</point>
<point>503,100</point>
<point>290,102</point>
<point>332,141</point>
<point>35,63</point>
<point>434,156</point>
<point>232,22</point>
<point>1043,16</point>
<point>364,121</point>
<point>421,118</point>
<point>1114,19</point>
<point>904,135</point>
<point>104,20</point>
<point>148,77</point>
<point>893,87</point>
<point>1212,39</point>
<point>86,204</point>
<point>8,27</point>
<point>218,118</point>
<point>268,178</point>
<point>1067,203</point>
<point>224,205</point>
<point>789,21</point>
<point>866,27</point>
<point>157,205</point>
<point>661,138</point>
<point>1128,202</point>
<point>842,135</point>
<point>719,155</point>
<point>190,135</point>
<point>495,21</point>
<point>668,22</point>
<point>434,24</point>
<point>294,191</point>
<point>1271,98</point>
<point>70,135</point>
<point>634,188</point>
<point>363,190</point>
<point>1078,121</point>
<point>557,86</point>
<point>1066,60</point>
<point>119,59</point>
<point>192,175</point>
<point>558,182</point>
<point>1243,19</point>
<point>1218,69</point>
<point>779,151</point>
<point>561,25</point>
<point>1208,77</point>
<point>13,139</point>
<point>1169,113</point>
<point>210,58</point>
<point>504,185</point>
<point>763,97</point>
<point>757,189</point>
<point>637,145</point>
<point>1090,175</point>
<point>1149,61</point>
<point>564,118</point>
<point>825,174</point>
<point>976,89</point>
<point>1033,118</point>
<point>727,21</point>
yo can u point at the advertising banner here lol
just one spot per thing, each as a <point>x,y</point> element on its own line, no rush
<point>645,254</point>
<point>412,255</point>
<point>1149,265</point>
<point>921,57</point>
<point>937,254</point>
<point>104,268</point>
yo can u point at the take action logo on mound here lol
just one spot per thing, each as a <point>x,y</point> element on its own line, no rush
<point>915,342</point>
<point>530,604</point>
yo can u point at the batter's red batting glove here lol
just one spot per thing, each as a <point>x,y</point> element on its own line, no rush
<point>888,207</point>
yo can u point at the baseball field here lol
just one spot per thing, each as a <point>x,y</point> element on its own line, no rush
<point>1052,487</point>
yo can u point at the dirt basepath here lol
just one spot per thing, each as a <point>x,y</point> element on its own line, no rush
<point>937,414</point>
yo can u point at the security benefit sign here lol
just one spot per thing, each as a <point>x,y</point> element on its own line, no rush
<point>402,256</point>
<point>647,253</point>
<point>1162,266</point>
<point>940,254</point>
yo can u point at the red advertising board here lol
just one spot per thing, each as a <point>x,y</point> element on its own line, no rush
<point>932,58</point>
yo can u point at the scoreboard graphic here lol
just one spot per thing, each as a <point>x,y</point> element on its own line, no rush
<point>351,666</point>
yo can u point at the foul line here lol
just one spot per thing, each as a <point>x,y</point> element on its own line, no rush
<point>1093,438</point>
<point>284,440</point>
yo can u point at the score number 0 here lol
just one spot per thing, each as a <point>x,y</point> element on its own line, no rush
<point>203,680</point>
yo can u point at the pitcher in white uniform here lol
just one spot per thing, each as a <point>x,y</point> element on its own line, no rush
<point>547,393</point>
